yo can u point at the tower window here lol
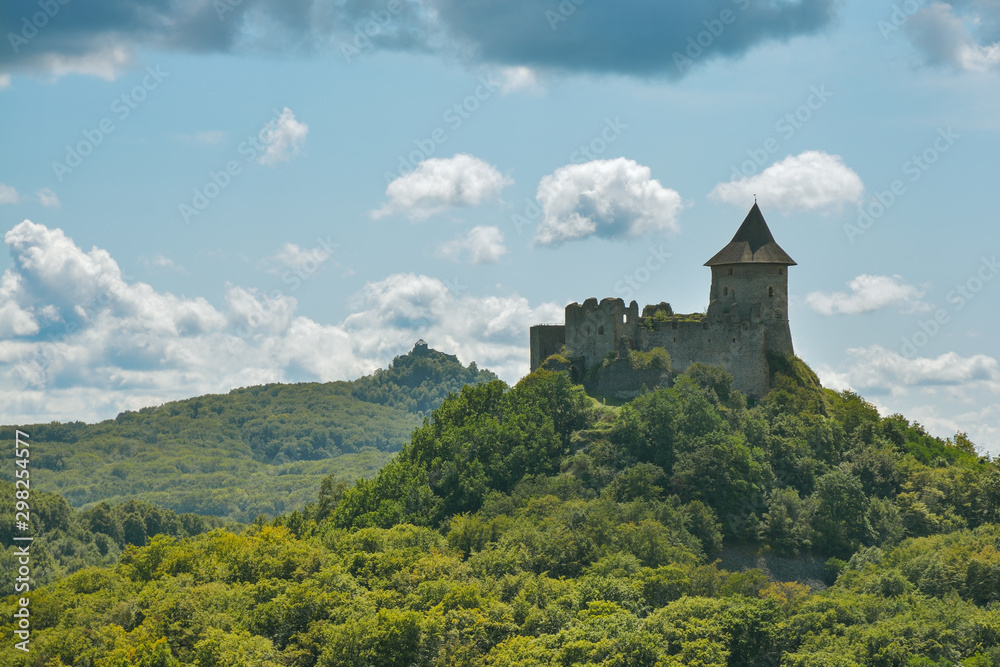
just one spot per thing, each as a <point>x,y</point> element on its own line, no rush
<point>781,272</point>
<point>600,331</point>
<point>770,291</point>
<point>730,272</point>
<point>725,291</point>
<point>734,340</point>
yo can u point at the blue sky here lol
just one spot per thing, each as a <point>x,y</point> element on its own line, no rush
<point>204,195</point>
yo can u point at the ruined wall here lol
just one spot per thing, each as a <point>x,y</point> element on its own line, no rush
<point>737,346</point>
<point>545,340</point>
<point>594,329</point>
<point>620,380</point>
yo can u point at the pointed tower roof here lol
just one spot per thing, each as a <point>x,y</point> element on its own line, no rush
<point>753,244</point>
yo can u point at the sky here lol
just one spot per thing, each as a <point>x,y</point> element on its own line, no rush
<point>207,194</point>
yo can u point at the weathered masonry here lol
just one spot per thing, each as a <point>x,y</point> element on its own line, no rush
<point>747,318</point>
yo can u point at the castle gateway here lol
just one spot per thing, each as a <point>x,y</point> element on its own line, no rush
<point>746,319</point>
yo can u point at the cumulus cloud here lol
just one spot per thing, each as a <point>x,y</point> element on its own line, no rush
<point>869,293</point>
<point>282,138</point>
<point>804,182</point>
<point>8,194</point>
<point>629,37</point>
<point>878,370</point>
<point>4,81</point>
<point>481,245</point>
<point>48,198</point>
<point>80,340</point>
<point>438,184</point>
<point>963,35</point>
<point>607,198</point>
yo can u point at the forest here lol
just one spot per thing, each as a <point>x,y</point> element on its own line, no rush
<point>534,525</point>
<point>256,450</point>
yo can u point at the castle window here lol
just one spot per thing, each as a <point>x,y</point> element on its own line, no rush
<point>730,272</point>
<point>675,339</point>
<point>725,291</point>
<point>600,331</point>
<point>781,272</point>
<point>734,340</point>
<point>777,314</point>
<point>770,291</point>
<point>623,319</point>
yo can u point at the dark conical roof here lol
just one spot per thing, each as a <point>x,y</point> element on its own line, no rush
<point>753,244</point>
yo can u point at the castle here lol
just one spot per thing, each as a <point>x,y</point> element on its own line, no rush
<point>746,320</point>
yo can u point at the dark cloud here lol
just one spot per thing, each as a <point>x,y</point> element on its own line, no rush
<point>639,37</point>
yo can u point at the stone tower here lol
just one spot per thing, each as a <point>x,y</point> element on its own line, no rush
<point>750,282</point>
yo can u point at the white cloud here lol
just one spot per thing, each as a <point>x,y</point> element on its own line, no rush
<point>441,183</point>
<point>108,63</point>
<point>283,138</point>
<point>947,37</point>
<point>292,257</point>
<point>514,79</point>
<point>804,182</point>
<point>869,293</point>
<point>604,198</point>
<point>4,81</point>
<point>48,198</point>
<point>882,371</point>
<point>80,341</point>
<point>8,194</point>
<point>161,261</point>
<point>481,245</point>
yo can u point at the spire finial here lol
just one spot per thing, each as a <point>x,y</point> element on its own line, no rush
<point>755,198</point>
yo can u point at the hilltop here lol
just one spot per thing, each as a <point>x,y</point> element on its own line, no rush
<point>532,525</point>
<point>256,450</point>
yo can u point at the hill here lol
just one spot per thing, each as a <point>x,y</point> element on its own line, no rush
<point>256,450</point>
<point>533,526</point>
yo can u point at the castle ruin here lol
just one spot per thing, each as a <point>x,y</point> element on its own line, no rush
<point>746,319</point>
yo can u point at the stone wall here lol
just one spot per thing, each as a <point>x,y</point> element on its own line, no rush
<point>619,380</point>
<point>737,346</point>
<point>594,329</point>
<point>545,340</point>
